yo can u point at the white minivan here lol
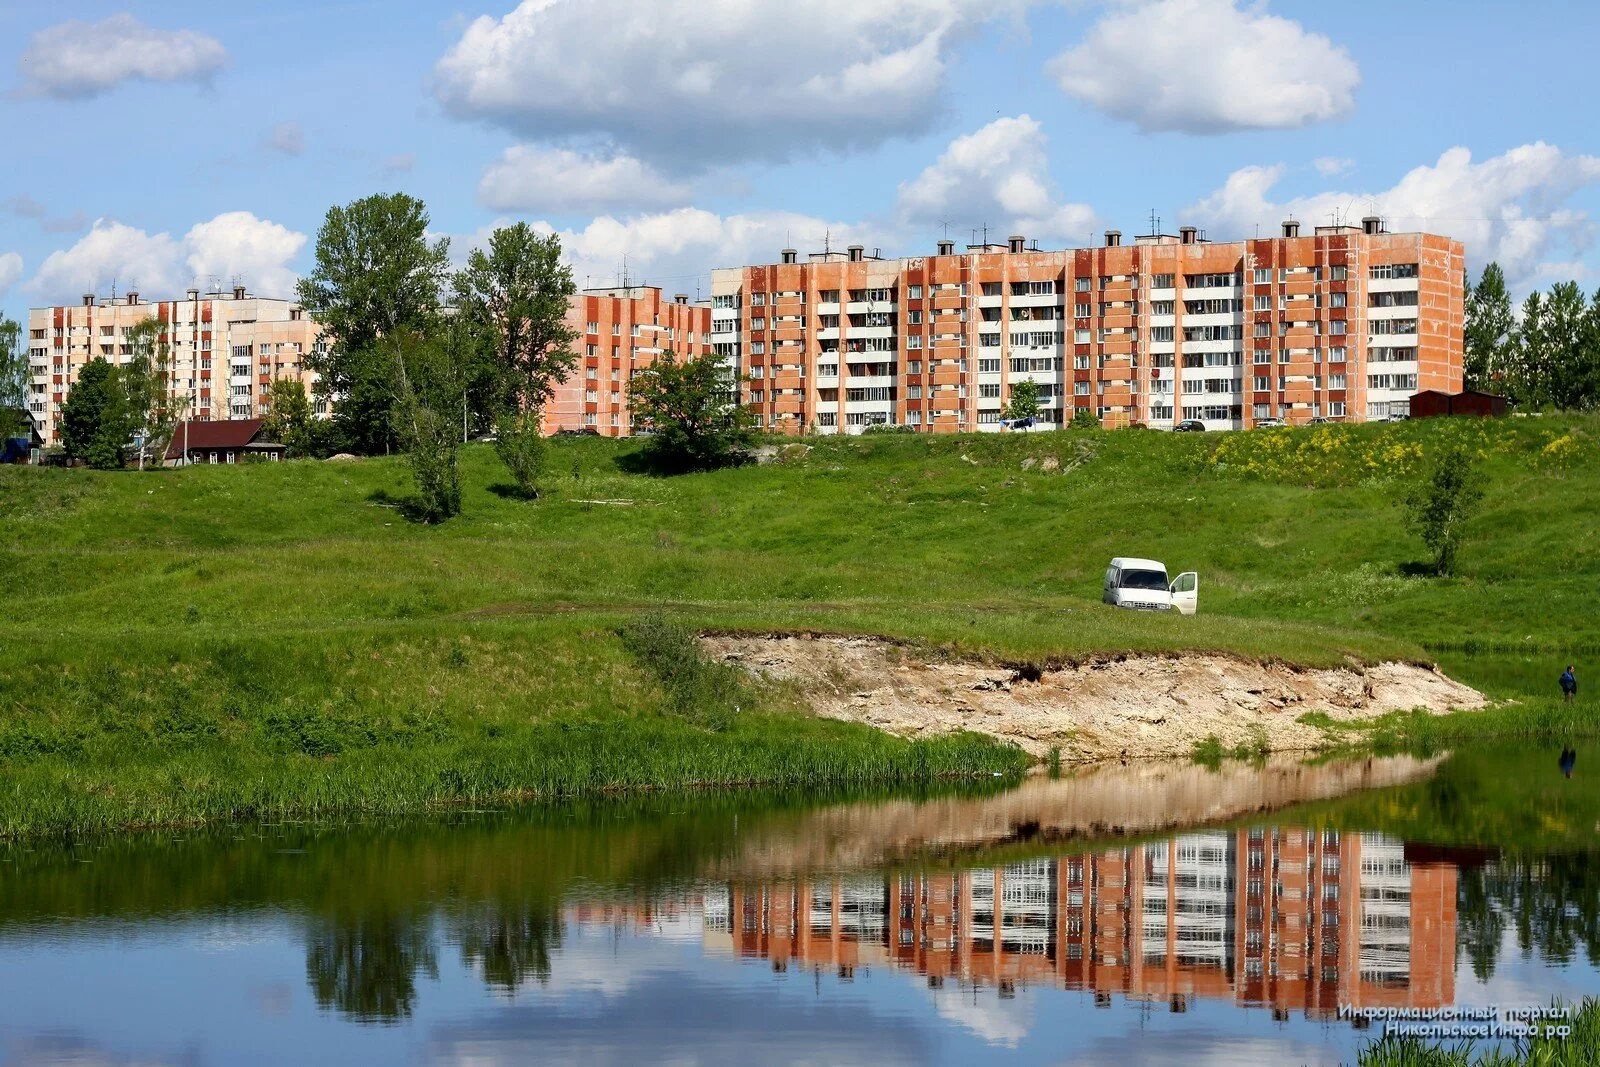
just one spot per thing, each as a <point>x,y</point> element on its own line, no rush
<point>1141,584</point>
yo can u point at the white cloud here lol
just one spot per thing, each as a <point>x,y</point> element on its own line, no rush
<point>237,243</point>
<point>287,137</point>
<point>76,59</point>
<point>234,244</point>
<point>10,270</point>
<point>1328,166</point>
<point>693,80</point>
<point>997,176</point>
<point>528,177</point>
<point>1208,66</point>
<point>1510,208</point>
<point>400,163</point>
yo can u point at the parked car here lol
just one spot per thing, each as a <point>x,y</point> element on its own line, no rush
<point>1397,416</point>
<point>1142,585</point>
<point>1190,426</point>
<point>1270,424</point>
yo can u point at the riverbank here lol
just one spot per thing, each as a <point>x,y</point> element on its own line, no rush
<point>277,641</point>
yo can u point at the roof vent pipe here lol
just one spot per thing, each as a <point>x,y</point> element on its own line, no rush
<point>1186,234</point>
<point>238,292</point>
<point>1113,238</point>
<point>1291,228</point>
<point>855,252</point>
<point>1016,242</point>
<point>789,255</point>
<point>680,298</point>
<point>1372,224</point>
<point>88,300</point>
<point>947,248</point>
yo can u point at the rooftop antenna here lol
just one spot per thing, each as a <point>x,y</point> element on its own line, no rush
<point>945,225</point>
<point>113,288</point>
<point>1155,223</point>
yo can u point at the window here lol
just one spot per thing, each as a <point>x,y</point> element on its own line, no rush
<point>1161,307</point>
<point>1210,281</point>
<point>1081,285</point>
<point>1263,303</point>
<point>989,390</point>
<point>1393,270</point>
<point>1338,300</point>
<point>914,292</point>
<point>1161,281</point>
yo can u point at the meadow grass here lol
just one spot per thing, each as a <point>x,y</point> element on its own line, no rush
<point>278,639</point>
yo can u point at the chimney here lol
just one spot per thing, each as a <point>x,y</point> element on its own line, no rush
<point>194,294</point>
<point>1372,224</point>
<point>947,248</point>
<point>789,255</point>
<point>683,298</point>
<point>1291,228</point>
<point>1015,242</point>
<point>1186,235</point>
<point>88,300</point>
<point>855,252</point>
<point>1113,238</point>
<point>238,292</point>
<point>133,297</point>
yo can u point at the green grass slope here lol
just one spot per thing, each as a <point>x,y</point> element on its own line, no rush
<point>273,639</point>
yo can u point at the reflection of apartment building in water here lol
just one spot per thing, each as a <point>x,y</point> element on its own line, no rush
<point>621,331</point>
<point>1289,918</point>
<point>225,349</point>
<point>1344,323</point>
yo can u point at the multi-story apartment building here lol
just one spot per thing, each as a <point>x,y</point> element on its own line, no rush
<point>1345,323</point>
<point>225,349</point>
<point>1290,918</point>
<point>621,331</point>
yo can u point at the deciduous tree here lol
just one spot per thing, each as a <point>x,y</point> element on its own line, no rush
<point>96,422</point>
<point>691,410</point>
<point>14,418</point>
<point>1489,329</point>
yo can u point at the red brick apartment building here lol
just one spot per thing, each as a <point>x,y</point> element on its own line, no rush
<point>1287,918</point>
<point>1345,323</point>
<point>621,331</point>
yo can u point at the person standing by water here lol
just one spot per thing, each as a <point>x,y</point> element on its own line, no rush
<point>1569,685</point>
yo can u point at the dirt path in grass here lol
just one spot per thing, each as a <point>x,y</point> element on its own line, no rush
<point>1101,709</point>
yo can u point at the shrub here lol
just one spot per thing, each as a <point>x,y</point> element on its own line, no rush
<point>520,447</point>
<point>1437,510</point>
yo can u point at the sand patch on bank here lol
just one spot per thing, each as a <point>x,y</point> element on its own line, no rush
<point>1107,708</point>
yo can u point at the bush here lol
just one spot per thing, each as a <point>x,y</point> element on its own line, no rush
<point>1438,509</point>
<point>697,689</point>
<point>520,447</point>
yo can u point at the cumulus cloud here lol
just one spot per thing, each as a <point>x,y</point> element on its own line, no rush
<point>1208,66</point>
<point>687,81</point>
<point>75,59</point>
<point>997,176</point>
<point>10,270</point>
<point>528,177</point>
<point>1511,208</point>
<point>234,244</point>
<point>1328,166</point>
<point>287,137</point>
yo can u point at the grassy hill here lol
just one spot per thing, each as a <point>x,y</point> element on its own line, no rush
<point>267,639</point>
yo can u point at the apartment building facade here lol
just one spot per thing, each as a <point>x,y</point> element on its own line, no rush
<point>620,332</point>
<point>225,350</point>
<point>1345,323</point>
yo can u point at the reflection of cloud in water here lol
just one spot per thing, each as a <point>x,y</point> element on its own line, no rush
<point>1200,1048</point>
<point>681,1017</point>
<point>996,1020</point>
<point>65,1047</point>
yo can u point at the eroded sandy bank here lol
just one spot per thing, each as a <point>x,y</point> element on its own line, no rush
<point>1103,709</point>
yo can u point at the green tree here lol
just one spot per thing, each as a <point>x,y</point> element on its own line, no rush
<point>1438,508</point>
<point>148,380</point>
<point>376,275</point>
<point>517,292</point>
<point>1085,419</point>
<point>1529,365</point>
<point>691,411</point>
<point>1488,331</point>
<point>1024,402</point>
<point>1568,338</point>
<point>427,389</point>
<point>96,421</point>
<point>289,419</point>
<point>14,418</point>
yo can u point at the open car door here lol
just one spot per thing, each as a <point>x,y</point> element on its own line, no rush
<point>1185,591</point>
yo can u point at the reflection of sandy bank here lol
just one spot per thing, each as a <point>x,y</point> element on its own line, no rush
<point>1105,800</point>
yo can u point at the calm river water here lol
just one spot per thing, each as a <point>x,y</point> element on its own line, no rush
<point>1123,916</point>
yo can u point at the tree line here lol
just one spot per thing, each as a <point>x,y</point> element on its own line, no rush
<point>1547,356</point>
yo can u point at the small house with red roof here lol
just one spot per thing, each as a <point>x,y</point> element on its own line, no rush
<point>220,441</point>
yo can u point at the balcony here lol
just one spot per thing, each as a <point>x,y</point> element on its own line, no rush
<point>867,307</point>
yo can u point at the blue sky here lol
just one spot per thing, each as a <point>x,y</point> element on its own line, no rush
<point>179,143</point>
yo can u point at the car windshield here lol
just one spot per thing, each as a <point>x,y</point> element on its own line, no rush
<point>1144,580</point>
